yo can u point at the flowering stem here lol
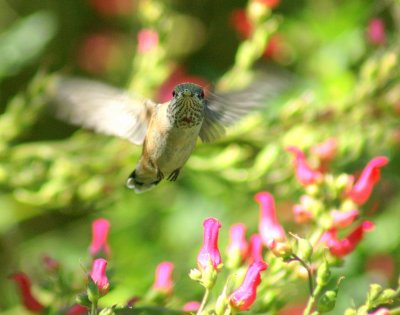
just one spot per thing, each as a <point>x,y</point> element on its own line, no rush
<point>203,302</point>
<point>93,310</point>
<point>311,300</point>
<point>310,279</point>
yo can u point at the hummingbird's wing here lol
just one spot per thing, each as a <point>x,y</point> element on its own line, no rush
<point>224,109</point>
<point>100,107</point>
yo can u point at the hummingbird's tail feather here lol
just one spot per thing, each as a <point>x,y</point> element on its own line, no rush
<point>139,185</point>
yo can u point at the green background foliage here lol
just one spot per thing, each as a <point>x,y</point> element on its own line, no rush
<point>55,179</point>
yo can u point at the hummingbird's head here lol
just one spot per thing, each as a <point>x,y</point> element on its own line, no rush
<point>186,108</point>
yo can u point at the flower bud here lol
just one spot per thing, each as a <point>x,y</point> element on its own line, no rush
<point>374,291</point>
<point>327,301</point>
<point>304,249</point>
<point>99,245</point>
<point>99,278</point>
<point>209,252</point>
<point>163,278</point>
<point>191,306</point>
<point>304,173</point>
<point>147,41</point>
<point>237,248</point>
<point>195,274</point>
<point>323,274</point>
<point>255,248</point>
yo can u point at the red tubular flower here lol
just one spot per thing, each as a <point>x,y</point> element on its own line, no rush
<point>376,32</point>
<point>237,240</point>
<point>243,297</point>
<point>269,227</point>
<point>99,245</point>
<point>28,300</point>
<point>255,248</point>
<point>77,309</point>
<point>341,219</point>
<point>98,275</point>
<point>304,173</point>
<point>163,278</point>
<point>346,245</point>
<point>191,306</point>
<point>370,175</point>
<point>241,23</point>
<point>209,252</point>
<point>147,40</point>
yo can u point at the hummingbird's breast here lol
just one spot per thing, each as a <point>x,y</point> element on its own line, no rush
<point>171,137</point>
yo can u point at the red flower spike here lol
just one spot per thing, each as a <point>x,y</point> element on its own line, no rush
<point>341,219</point>
<point>237,239</point>
<point>269,227</point>
<point>255,248</point>
<point>163,278</point>
<point>100,229</point>
<point>98,275</point>
<point>209,252</point>
<point>77,309</point>
<point>243,297</point>
<point>147,40</point>
<point>28,300</point>
<point>346,245</point>
<point>376,32</point>
<point>241,23</point>
<point>191,306</point>
<point>304,173</point>
<point>370,175</point>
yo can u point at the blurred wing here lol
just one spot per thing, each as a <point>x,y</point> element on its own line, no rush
<point>224,109</point>
<point>102,108</point>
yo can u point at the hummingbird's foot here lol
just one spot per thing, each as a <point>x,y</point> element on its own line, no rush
<point>174,175</point>
<point>160,176</point>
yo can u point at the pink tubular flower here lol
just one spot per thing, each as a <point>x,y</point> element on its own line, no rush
<point>100,228</point>
<point>301,214</point>
<point>369,177</point>
<point>269,3</point>
<point>341,219</point>
<point>304,173</point>
<point>147,40</point>
<point>209,252</point>
<point>269,227</point>
<point>243,297</point>
<point>191,306</point>
<point>376,32</point>
<point>28,300</point>
<point>98,275</point>
<point>77,309</point>
<point>346,245</point>
<point>237,240</point>
<point>326,150</point>
<point>381,311</point>
<point>255,248</point>
<point>163,278</point>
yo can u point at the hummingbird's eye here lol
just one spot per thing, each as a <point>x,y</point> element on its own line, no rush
<point>202,94</point>
<point>173,93</point>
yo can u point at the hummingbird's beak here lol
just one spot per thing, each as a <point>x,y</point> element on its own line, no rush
<point>186,92</point>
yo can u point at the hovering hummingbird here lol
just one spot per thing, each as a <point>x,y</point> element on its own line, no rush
<point>167,131</point>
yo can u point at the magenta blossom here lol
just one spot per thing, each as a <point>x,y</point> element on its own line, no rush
<point>376,32</point>
<point>237,240</point>
<point>191,306</point>
<point>326,150</point>
<point>98,275</point>
<point>370,175</point>
<point>209,252</point>
<point>304,173</point>
<point>99,245</point>
<point>255,248</point>
<point>381,311</point>
<point>346,245</point>
<point>341,219</point>
<point>269,227</point>
<point>163,278</point>
<point>243,297</point>
<point>301,214</point>
<point>147,40</point>
<point>24,285</point>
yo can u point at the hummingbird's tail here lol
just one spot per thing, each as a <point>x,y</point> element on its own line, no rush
<point>140,185</point>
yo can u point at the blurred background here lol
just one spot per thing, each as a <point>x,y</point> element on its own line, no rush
<point>55,179</point>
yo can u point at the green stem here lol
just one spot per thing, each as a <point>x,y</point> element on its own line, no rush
<point>311,300</point>
<point>203,302</point>
<point>310,278</point>
<point>93,309</point>
<point>395,311</point>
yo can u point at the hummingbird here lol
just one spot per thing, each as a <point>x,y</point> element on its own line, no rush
<point>167,131</point>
